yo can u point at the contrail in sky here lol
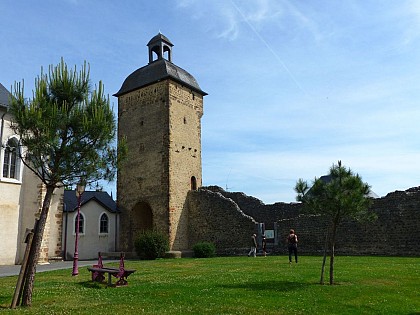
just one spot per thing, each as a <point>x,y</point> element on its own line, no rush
<point>269,48</point>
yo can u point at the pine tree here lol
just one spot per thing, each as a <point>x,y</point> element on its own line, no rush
<point>339,195</point>
<point>67,133</point>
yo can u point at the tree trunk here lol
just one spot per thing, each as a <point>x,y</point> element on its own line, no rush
<point>332,264</point>
<point>18,290</point>
<point>332,255</point>
<point>35,248</point>
<point>324,258</point>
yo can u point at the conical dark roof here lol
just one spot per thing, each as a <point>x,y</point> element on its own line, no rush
<point>158,70</point>
<point>155,72</point>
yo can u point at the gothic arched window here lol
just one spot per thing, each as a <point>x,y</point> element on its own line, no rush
<point>103,224</point>
<point>11,159</point>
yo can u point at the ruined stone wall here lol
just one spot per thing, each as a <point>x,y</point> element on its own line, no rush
<point>217,219</point>
<point>258,210</point>
<point>395,232</point>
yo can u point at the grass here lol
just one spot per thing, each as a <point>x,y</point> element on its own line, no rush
<point>232,285</point>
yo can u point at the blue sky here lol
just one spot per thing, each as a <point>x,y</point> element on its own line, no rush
<point>294,86</point>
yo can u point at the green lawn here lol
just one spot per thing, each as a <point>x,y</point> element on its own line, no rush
<point>232,285</point>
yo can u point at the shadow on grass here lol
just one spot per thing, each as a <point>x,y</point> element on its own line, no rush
<point>93,285</point>
<point>5,302</point>
<point>277,286</point>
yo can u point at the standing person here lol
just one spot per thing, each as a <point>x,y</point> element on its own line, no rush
<point>253,250</point>
<point>264,246</point>
<point>292,240</point>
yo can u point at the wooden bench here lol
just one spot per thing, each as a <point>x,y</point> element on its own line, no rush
<point>98,272</point>
<point>122,275</point>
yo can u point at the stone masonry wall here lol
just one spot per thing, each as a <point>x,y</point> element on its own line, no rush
<point>217,219</point>
<point>144,177</point>
<point>162,125</point>
<point>258,210</point>
<point>185,112</point>
<point>395,232</point>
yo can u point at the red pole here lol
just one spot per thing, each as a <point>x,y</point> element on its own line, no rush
<point>76,244</point>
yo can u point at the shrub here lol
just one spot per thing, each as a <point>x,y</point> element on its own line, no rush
<point>151,245</point>
<point>204,250</point>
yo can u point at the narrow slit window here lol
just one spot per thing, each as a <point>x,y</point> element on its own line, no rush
<point>193,183</point>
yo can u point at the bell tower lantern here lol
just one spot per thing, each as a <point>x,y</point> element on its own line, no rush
<point>159,47</point>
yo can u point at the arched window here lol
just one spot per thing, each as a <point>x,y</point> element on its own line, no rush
<point>11,159</point>
<point>103,224</point>
<point>81,224</point>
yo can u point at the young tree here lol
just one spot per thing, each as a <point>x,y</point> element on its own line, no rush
<point>67,133</point>
<point>341,194</point>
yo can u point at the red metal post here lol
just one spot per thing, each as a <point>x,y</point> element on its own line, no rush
<point>79,191</point>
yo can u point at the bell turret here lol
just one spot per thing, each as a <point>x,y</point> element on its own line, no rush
<point>159,47</point>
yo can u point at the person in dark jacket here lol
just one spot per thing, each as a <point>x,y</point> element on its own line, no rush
<point>264,246</point>
<point>292,241</point>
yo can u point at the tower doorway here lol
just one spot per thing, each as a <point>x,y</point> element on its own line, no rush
<point>142,218</point>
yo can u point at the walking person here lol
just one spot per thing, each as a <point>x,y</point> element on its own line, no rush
<point>253,250</point>
<point>292,241</point>
<point>264,246</point>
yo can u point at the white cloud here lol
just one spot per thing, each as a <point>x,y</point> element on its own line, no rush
<point>231,19</point>
<point>231,28</point>
<point>412,14</point>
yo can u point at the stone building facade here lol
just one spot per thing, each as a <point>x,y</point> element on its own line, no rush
<point>159,114</point>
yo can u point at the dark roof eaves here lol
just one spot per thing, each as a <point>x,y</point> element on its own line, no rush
<point>155,72</point>
<point>159,80</point>
<point>103,198</point>
<point>102,204</point>
<point>84,202</point>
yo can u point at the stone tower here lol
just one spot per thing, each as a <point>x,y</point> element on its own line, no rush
<point>160,107</point>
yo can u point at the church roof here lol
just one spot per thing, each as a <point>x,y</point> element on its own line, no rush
<point>102,197</point>
<point>4,96</point>
<point>157,71</point>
